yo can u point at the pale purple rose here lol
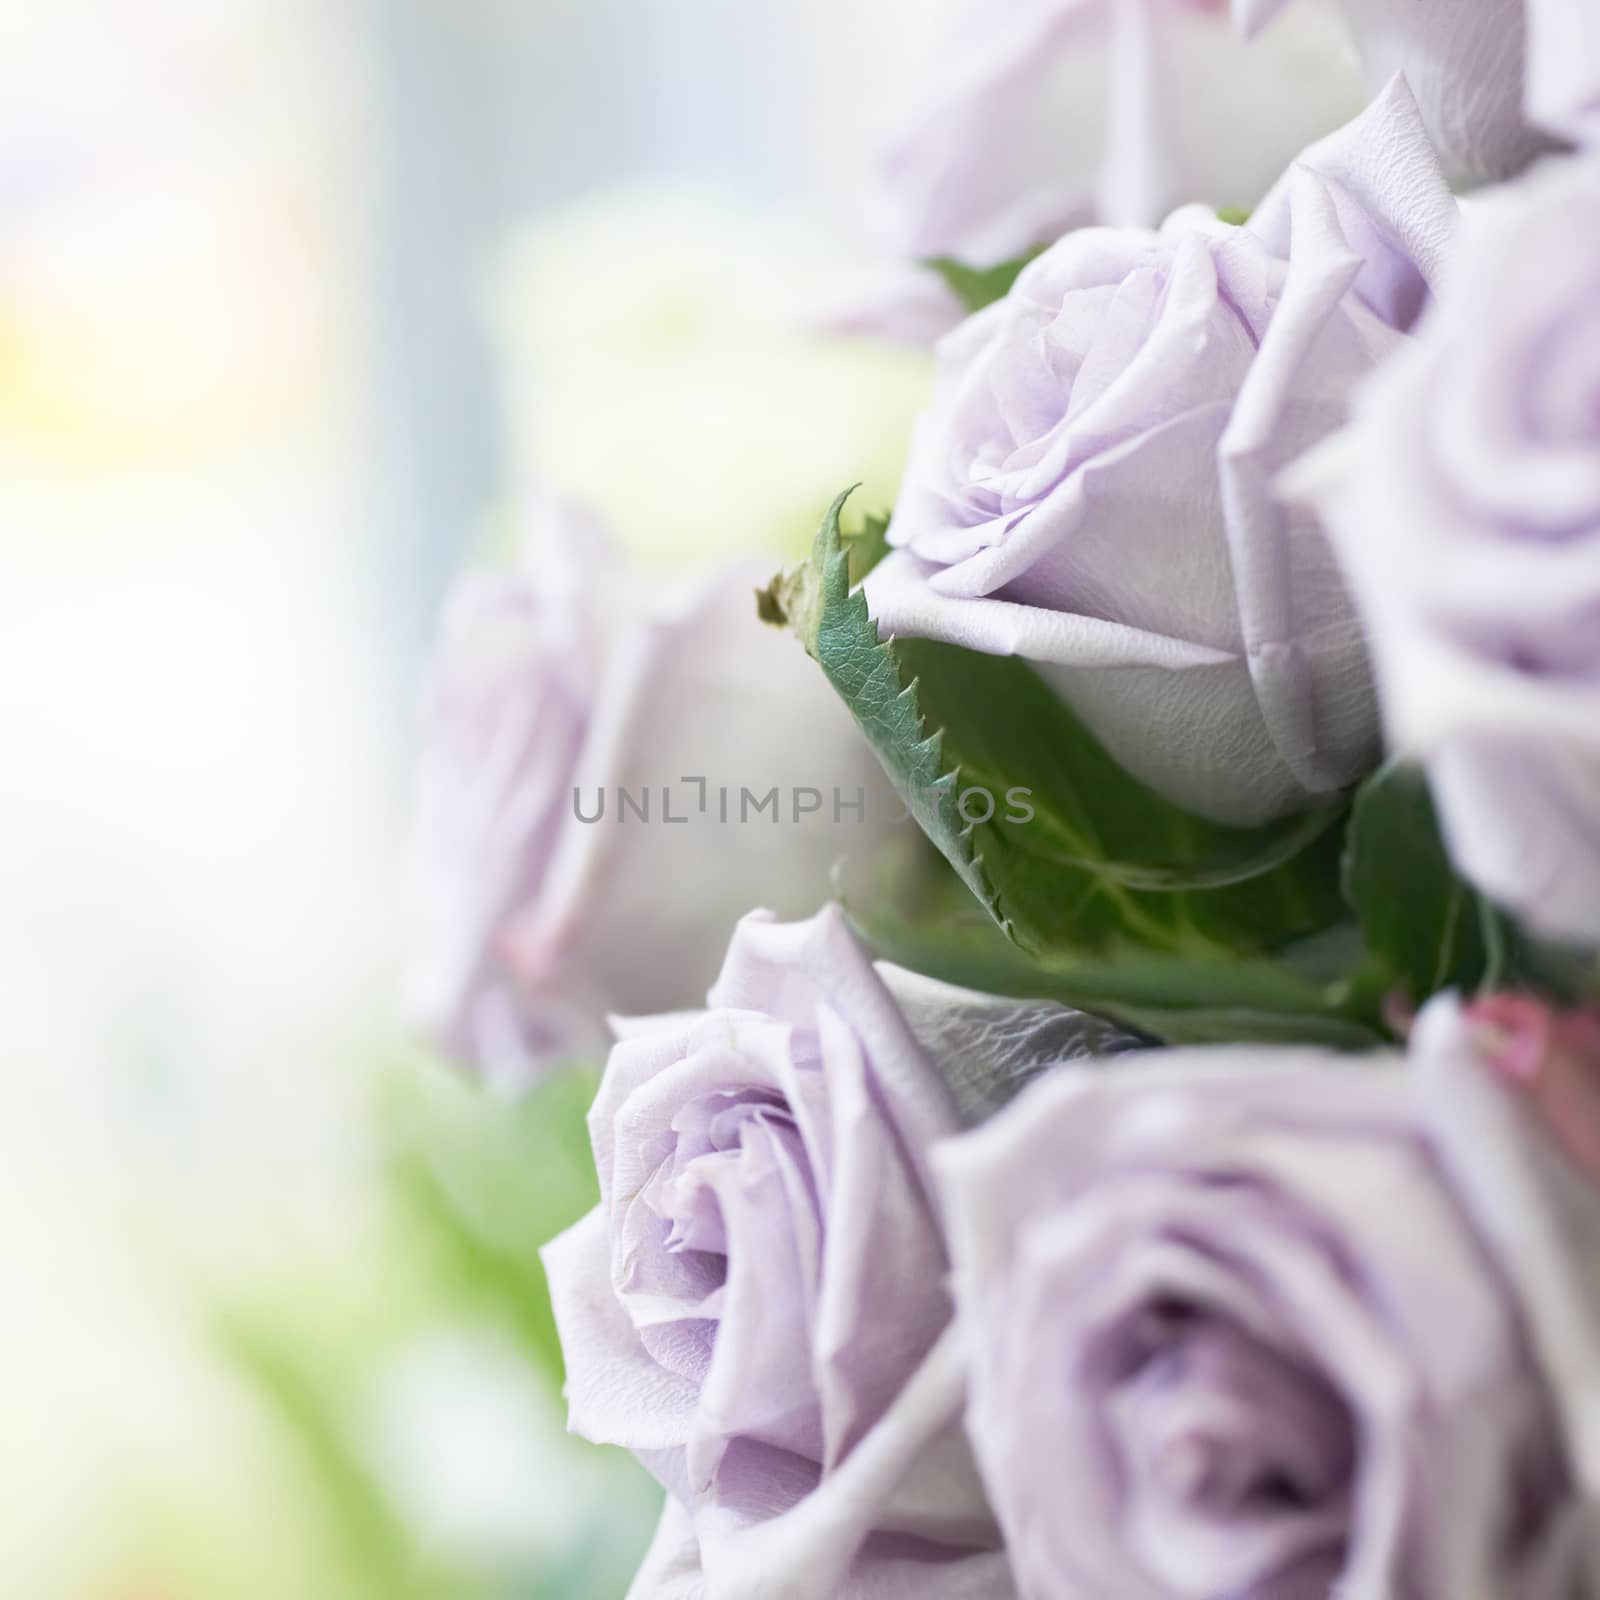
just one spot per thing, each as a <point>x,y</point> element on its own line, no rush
<point>758,1306</point>
<point>1563,89</point>
<point>1093,490</point>
<point>1248,1324</point>
<point>1038,115</point>
<point>1464,59</point>
<point>558,684</point>
<point>1464,502</point>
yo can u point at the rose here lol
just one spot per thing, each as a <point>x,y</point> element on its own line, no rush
<point>1483,70</point>
<point>1092,489</point>
<point>1464,60</point>
<point>1281,1325</point>
<point>1043,114</point>
<point>758,1307</point>
<point>1464,503</point>
<point>1563,88</point>
<point>543,899</point>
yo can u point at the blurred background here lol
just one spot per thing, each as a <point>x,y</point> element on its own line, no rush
<point>296,298</point>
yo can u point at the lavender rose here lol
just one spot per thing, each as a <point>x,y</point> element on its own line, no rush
<point>1039,115</point>
<point>1465,505</point>
<point>1563,88</point>
<point>1465,60</point>
<point>1092,488</point>
<point>758,1306</point>
<point>543,898</point>
<point>1263,1325</point>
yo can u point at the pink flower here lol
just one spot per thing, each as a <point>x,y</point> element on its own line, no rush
<point>1551,1057</point>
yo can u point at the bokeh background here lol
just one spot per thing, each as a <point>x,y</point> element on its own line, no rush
<point>297,297</point>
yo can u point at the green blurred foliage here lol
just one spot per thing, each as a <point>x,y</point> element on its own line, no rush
<point>469,1186</point>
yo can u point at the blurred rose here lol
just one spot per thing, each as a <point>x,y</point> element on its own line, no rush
<point>1092,489</point>
<point>662,364</point>
<point>1464,502</point>
<point>1464,60</point>
<point>1250,1322</point>
<point>758,1308</point>
<point>542,900</point>
<point>1045,114</point>
<point>1563,89</point>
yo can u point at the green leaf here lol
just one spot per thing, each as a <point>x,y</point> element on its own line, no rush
<point>919,918</point>
<point>1428,928</point>
<point>1061,846</point>
<point>384,1559</point>
<point>1237,216</point>
<point>488,1183</point>
<point>1569,974</point>
<point>866,546</point>
<point>977,287</point>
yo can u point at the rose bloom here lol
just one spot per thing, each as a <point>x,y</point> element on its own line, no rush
<point>1464,502</point>
<point>539,902</point>
<point>757,1307</point>
<point>1092,489</point>
<point>1039,115</point>
<point>1248,1324</point>
<point>1466,61</point>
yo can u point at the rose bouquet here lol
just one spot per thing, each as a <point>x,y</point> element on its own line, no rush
<point>1160,1154</point>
